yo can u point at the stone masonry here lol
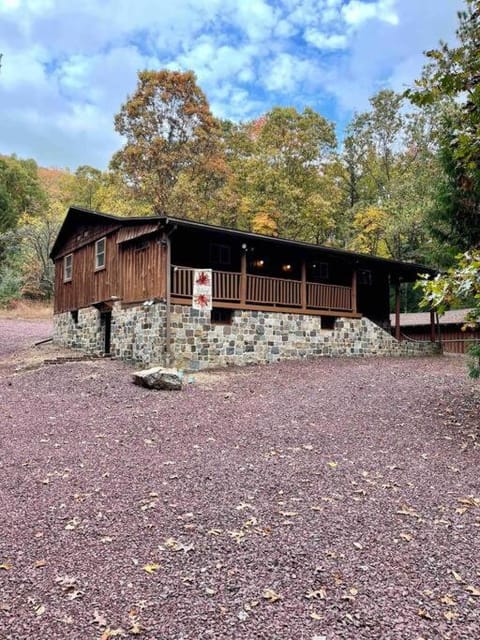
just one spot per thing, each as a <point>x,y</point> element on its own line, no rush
<point>252,337</point>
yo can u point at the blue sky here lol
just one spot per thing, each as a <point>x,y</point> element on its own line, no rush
<point>68,66</point>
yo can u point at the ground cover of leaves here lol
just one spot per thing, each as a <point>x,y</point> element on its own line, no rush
<point>328,499</point>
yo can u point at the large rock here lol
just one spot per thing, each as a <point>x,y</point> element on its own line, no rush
<point>159,378</point>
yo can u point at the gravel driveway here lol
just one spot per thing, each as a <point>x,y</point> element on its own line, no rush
<point>17,334</point>
<point>335,499</point>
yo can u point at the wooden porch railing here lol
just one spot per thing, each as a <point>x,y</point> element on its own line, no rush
<point>265,291</point>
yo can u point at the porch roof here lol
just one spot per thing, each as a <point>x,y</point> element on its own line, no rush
<point>408,271</point>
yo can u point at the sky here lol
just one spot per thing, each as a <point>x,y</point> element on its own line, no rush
<point>68,65</point>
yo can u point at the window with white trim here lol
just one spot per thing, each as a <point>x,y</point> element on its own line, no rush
<point>68,268</point>
<point>100,247</point>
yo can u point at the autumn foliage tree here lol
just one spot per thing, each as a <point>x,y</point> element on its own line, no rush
<point>169,132</point>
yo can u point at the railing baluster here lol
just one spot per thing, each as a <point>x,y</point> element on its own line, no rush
<point>263,290</point>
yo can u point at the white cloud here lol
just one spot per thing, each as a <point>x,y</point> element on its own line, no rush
<point>68,66</point>
<point>325,40</point>
<point>357,11</point>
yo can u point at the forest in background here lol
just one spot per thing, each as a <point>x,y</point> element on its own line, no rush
<point>403,183</point>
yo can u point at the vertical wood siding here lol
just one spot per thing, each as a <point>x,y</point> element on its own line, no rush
<point>133,272</point>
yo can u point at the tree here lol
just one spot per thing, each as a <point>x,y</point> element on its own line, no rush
<point>451,80</point>
<point>460,285</point>
<point>280,175</point>
<point>87,182</point>
<point>20,190</point>
<point>169,130</point>
<point>389,165</point>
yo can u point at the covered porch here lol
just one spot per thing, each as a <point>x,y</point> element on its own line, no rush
<point>242,290</point>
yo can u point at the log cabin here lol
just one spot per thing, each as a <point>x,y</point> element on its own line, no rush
<point>124,286</point>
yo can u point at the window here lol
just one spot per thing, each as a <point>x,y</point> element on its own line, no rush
<point>221,316</point>
<point>100,254</point>
<point>220,254</point>
<point>68,267</point>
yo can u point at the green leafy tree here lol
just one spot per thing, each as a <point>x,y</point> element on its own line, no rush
<point>280,174</point>
<point>20,190</point>
<point>459,286</point>
<point>451,81</point>
<point>389,165</point>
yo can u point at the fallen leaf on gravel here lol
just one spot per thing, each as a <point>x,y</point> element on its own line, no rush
<point>38,564</point>
<point>175,545</point>
<point>474,591</point>
<point>40,610</point>
<point>457,576</point>
<point>106,539</point>
<point>406,536</point>
<point>423,613</point>
<point>99,619</point>
<point>151,504</point>
<point>271,595</point>
<point>136,628</point>
<point>450,615</point>
<point>112,633</point>
<point>469,501</point>
<point>151,567</point>
<point>244,505</point>
<point>315,616</point>
<point>237,535</point>
<point>6,566</point>
<point>67,582</point>
<point>317,593</point>
<point>72,524</point>
<point>357,545</point>
<point>353,591</point>
<point>332,465</point>
<point>448,600</point>
<point>408,511</point>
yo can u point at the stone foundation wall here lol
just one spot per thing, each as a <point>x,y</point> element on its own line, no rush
<point>86,333</point>
<point>138,335</point>
<point>258,337</point>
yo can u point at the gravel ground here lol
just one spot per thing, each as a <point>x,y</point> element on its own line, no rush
<point>306,500</point>
<point>16,334</point>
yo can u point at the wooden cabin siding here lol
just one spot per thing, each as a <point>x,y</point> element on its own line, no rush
<point>142,270</point>
<point>87,286</point>
<point>134,271</point>
<point>84,235</point>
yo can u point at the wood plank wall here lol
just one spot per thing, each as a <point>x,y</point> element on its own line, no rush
<point>134,271</point>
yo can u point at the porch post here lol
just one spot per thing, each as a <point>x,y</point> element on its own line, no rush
<point>243,276</point>
<point>303,286</point>
<point>398,334</point>
<point>354,290</point>
<point>432,325</point>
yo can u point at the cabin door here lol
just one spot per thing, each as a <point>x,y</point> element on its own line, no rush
<point>106,322</point>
